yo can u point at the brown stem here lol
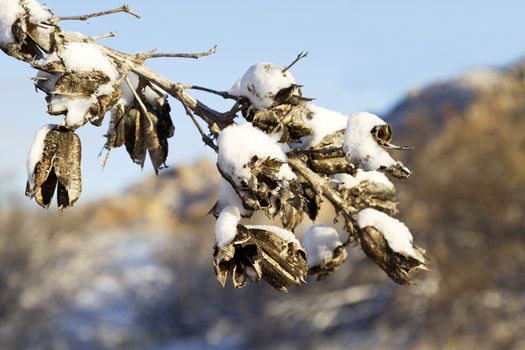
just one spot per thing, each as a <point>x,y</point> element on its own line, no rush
<point>148,55</point>
<point>141,103</point>
<point>123,8</point>
<point>103,36</point>
<point>322,188</point>
<point>223,94</point>
<point>205,138</point>
<point>297,59</point>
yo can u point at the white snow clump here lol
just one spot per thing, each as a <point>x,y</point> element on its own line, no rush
<point>320,242</point>
<point>347,181</point>
<point>10,10</point>
<point>37,150</point>
<point>323,122</point>
<point>360,146</point>
<point>238,144</point>
<point>228,196</point>
<point>226,225</point>
<point>261,83</point>
<point>87,57</point>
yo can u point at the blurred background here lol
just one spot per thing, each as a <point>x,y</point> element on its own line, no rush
<point>130,266</point>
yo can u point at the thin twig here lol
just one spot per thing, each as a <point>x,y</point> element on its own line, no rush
<point>223,94</point>
<point>152,54</point>
<point>141,103</point>
<point>103,36</point>
<point>297,59</point>
<point>123,8</point>
<point>207,141</point>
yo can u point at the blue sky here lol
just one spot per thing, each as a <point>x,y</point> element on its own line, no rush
<point>364,55</point>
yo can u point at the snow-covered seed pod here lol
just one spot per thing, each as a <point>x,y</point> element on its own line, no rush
<point>367,189</point>
<point>326,252</point>
<point>88,84</point>
<point>54,163</point>
<point>263,83</point>
<point>25,32</point>
<point>254,253</point>
<point>389,243</point>
<point>366,139</point>
<point>256,167</point>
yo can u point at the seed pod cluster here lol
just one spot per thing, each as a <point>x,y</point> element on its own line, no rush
<point>142,126</point>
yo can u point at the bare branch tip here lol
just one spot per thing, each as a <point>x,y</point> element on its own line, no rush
<point>128,10</point>
<point>299,57</point>
<point>124,8</point>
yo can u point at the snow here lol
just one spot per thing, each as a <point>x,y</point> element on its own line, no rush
<point>37,12</point>
<point>286,235</point>
<point>320,242</point>
<point>36,152</point>
<point>359,145</point>
<point>228,196</point>
<point>82,57</point>
<point>239,143</point>
<point>77,108</point>
<point>396,233</point>
<point>226,225</point>
<point>10,10</point>
<point>87,57</point>
<point>261,83</point>
<point>323,122</point>
<point>105,89</point>
<point>375,177</point>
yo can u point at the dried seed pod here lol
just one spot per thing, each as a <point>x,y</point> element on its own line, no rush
<point>397,266</point>
<point>80,83</point>
<point>27,31</point>
<point>56,156</point>
<point>273,194</point>
<point>366,139</point>
<point>67,169</point>
<point>382,134</point>
<point>142,133</point>
<point>288,120</point>
<point>367,189</point>
<point>257,253</point>
<point>388,242</point>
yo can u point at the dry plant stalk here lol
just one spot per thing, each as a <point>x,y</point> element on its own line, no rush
<point>328,156</point>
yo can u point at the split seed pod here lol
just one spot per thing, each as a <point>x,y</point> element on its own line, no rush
<point>58,168</point>
<point>257,253</point>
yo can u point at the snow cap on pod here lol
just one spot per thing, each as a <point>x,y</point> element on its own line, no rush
<point>261,83</point>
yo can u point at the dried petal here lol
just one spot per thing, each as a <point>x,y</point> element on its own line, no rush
<point>67,169</point>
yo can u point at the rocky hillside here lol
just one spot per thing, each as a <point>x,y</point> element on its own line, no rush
<point>134,271</point>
